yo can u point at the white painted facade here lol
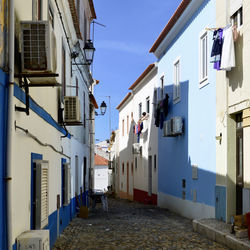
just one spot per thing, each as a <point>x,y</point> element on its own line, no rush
<point>42,133</point>
<point>114,158</point>
<point>137,177</point>
<point>101,178</point>
<point>232,95</point>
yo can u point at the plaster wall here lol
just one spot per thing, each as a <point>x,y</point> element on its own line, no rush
<point>149,135</point>
<point>23,146</point>
<point>197,107</point>
<point>125,149</point>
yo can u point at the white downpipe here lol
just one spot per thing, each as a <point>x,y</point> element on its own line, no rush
<point>10,126</point>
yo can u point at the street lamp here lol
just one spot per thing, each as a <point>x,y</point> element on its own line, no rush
<point>89,51</point>
<point>103,108</point>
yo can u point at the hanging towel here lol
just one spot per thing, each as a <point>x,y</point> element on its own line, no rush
<point>228,54</point>
<point>217,46</point>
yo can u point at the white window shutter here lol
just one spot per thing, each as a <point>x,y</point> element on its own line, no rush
<point>67,184</point>
<point>42,194</point>
<point>234,6</point>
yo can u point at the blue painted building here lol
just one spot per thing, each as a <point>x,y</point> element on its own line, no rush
<point>187,160</point>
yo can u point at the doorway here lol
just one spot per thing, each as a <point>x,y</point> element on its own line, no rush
<point>239,163</point>
<point>127,179</point>
<point>150,175</point>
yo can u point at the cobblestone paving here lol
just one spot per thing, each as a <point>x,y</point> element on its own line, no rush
<point>130,225</point>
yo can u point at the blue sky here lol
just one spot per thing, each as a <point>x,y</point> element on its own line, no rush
<point>132,26</point>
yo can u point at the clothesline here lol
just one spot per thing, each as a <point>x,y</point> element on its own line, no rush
<point>213,29</point>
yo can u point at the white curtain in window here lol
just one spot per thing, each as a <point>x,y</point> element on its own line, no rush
<point>234,6</point>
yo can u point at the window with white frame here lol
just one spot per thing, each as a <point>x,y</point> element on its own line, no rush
<point>237,18</point>
<point>140,110</point>
<point>162,88</point>
<point>176,87</point>
<point>147,104</point>
<point>41,193</point>
<point>66,184</point>
<point>203,72</point>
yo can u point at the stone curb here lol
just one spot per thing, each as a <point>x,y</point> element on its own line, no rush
<point>223,238</point>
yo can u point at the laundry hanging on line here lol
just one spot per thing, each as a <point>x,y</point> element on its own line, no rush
<point>161,112</point>
<point>223,54</point>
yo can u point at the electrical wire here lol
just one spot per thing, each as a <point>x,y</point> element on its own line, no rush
<point>26,131</point>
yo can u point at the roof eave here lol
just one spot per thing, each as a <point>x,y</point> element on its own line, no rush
<point>123,101</point>
<point>142,76</point>
<point>179,11</point>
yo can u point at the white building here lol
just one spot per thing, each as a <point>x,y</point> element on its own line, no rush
<point>101,174</point>
<point>49,146</point>
<point>138,150</point>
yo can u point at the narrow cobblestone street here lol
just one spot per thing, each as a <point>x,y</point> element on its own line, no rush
<point>130,225</point>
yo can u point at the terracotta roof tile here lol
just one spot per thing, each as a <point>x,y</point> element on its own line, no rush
<point>124,100</point>
<point>100,161</point>
<point>146,71</point>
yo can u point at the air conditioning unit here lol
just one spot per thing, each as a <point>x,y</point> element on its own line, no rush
<point>72,109</point>
<point>136,148</point>
<point>33,239</point>
<point>167,128</point>
<point>177,125</point>
<point>38,47</point>
<point>66,184</point>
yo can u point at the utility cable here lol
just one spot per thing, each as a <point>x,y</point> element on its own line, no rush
<point>26,131</point>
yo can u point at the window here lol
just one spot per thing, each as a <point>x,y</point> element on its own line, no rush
<point>132,168</point>
<point>176,90</point>
<point>135,163</point>
<point>41,193</point>
<point>122,168</point>
<point>203,59</point>
<point>155,166</point>
<point>84,109</point>
<point>140,110</point>
<point>66,183</point>
<point>85,28</point>
<point>77,86</point>
<point>132,116</point>
<point>147,104</point>
<point>162,88</point>
<point>76,175</point>
<point>84,172</point>
<point>37,10</point>
<point>155,100</point>
<point>127,124</point>
<point>123,127</point>
<point>237,18</point>
<point>63,74</point>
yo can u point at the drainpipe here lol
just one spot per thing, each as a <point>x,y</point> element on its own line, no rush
<point>11,33</point>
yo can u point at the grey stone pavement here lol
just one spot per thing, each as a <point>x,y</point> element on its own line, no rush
<point>131,225</point>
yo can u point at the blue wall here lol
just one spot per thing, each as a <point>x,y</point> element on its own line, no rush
<point>198,109</point>
<point>3,143</point>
